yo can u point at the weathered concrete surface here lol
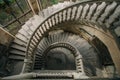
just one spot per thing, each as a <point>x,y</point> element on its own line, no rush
<point>106,37</point>
<point>5,37</point>
<point>109,41</point>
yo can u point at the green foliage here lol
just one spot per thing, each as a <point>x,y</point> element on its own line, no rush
<point>11,1</point>
<point>2,2</point>
<point>54,1</point>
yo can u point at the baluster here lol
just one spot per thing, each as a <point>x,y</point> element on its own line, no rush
<point>60,17</point>
<point>41,30</point>
<point>44,28</point>
<point>56,18</point>
<point>69,14</point>
<point>74,11</point>
<point>48,24</point>
<point>79,12</point>
<point>64,15</point>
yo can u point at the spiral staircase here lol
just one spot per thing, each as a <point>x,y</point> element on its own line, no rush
<point>56,45</point>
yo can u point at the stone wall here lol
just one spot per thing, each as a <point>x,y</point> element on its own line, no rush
<point>5,40</point>
<point>3,60</point>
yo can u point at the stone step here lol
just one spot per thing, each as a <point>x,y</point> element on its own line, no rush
<point>21,37</point>
<point>16,57</point>
<point>19,42</point>
<point>17,52</point>
<point>24,33</point>
<point>18,47</point>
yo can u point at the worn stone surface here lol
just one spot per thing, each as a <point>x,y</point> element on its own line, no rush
<point>5,37</point>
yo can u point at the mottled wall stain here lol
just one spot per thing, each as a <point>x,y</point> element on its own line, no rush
<point>5,37</point>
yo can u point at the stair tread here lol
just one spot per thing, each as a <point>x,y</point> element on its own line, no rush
<point>27,27</point>
<point>45,11</point>
<point>17,52</point>
<point>23,32</point>
<point>31,27</point>
<point>15,46</point>
<point>20,36</point>
<point>16,57</point>
<point>36,20</point>
<point>18,41</point>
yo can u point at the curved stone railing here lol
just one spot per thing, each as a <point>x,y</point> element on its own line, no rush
<point>75,52</point>
<point>98,12</point>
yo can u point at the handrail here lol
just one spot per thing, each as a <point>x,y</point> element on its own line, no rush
<point>72,48</point>
<point>47,19</point>
<point>51,21</point>
<point>35,75</point>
